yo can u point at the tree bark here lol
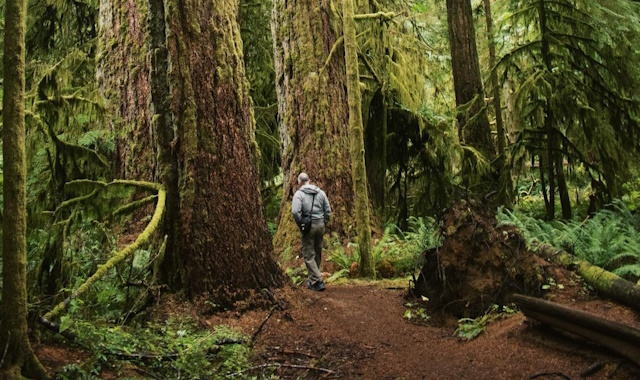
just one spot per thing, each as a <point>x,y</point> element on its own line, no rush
<point>473,123</point>
<point>505,187</point>
<point>620,338</point>
<point>356,137</point>
<point>225,241</point>
<point>203,138</point>
<point>312,109</point>
<point>20,359</point>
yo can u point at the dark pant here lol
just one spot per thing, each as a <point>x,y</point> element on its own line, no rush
<point>312,250</point>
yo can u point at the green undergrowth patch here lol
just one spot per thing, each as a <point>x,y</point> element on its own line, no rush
<point>608,239</point>
<point>173,349</point>
<point>469,329</point>
<point>396,253</point>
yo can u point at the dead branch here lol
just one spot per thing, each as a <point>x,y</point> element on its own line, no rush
<point>255,334</point>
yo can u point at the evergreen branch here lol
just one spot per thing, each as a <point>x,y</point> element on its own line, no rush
<point>510,55</point>
<point>570,7</point>
<point>143,238</point>
<point>563,18</point>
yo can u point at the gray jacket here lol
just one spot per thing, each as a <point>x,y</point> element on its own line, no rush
<point>302,201</point>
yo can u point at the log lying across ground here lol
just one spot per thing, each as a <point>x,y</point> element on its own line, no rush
<point>620,338</point>
<point>607,284</point>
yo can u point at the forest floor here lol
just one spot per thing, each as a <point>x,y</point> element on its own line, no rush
<point>356,330</point>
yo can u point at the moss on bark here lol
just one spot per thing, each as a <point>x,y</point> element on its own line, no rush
<point>312,108</point>
<point>20,359</point>
<point>356,137</point>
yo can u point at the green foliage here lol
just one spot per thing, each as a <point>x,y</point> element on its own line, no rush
<point>416,313</point>
<point>404,250</point>
<point>176,348</point>
<point>574,60</point>
<point>469,329</point>
<point>609,239</point>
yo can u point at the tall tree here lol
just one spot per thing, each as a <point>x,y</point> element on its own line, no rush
<point>356,137</point>
<point>575,90</point>
<point>18,358</point>
<point>473,123</point>
<point>505,183</point>
<point>204,138</point>
<point>312,109</point>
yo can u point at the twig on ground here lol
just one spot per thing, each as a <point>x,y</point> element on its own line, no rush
<point>255,334</point>
<point>279,365</point>
<point>560,374</point>
<point>593,369</point>
<point>291,352</point>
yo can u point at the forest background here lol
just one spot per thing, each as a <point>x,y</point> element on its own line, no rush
<point>531,106</point>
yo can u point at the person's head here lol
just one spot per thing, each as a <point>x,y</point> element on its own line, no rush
<point>303,179</point>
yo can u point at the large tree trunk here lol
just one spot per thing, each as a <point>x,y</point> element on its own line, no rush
<point>15,350</point>
<point>203,133</point>
<point>123,75</point>
<point>356,137</point>
<point>473,123</point>
<point>312,108</point>
<point>225,241</point>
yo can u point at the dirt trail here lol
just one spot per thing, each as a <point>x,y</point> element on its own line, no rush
<point>357,331</point>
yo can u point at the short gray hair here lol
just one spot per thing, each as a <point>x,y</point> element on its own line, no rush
<point>303,177</point>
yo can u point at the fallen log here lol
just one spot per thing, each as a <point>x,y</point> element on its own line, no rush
<point>607,284</point>
<point>618,337</point>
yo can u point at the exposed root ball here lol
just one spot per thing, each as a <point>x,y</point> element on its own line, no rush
<point>478,264</point>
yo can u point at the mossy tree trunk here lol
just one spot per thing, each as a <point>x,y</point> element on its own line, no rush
<point>356,137</point>
<point>554,155</point>
<point>473,123</point>
<point>312,109</point>
<point>19,359</point>
<point>203,135</point>
<point>224,237</point>
<point>505,186</point>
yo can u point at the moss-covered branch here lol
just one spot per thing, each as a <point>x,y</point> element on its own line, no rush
<point>385,16</point>
<point>134,205</point>
<point>604,282</point>
<point>143,238</point>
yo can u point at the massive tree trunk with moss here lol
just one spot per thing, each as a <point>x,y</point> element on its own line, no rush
<point>312,108</point>
<point>356,137</point>
<point>473,123</point>
<point>15,350</point>
<point>203,136</point>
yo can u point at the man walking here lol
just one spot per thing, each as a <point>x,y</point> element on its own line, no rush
<point>311,200</point>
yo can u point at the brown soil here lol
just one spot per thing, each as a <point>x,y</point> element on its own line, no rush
<point>358,331</point>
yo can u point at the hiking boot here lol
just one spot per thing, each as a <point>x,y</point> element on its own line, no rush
<point>317,286</point>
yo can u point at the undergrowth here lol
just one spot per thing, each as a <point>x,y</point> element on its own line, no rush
<point>403,250</point>
<point>176,348</point>
<point>469,329</point>
<point>609,239</point>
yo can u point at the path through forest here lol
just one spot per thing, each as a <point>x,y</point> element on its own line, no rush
<point>358,331</point>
